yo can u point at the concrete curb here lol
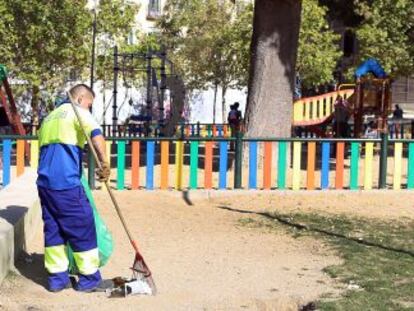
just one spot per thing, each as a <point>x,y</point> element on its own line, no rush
<point>20,214</point>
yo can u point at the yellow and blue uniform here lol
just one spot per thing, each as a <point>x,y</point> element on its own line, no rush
<point>66,211</point>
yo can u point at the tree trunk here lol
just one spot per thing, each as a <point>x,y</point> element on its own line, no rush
<point>215,103</point>
<point>272,67</point>
<point>35,108</point>
<point>178,97</point>
<point>223,104</point>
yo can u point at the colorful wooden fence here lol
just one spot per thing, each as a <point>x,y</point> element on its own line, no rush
<point>12,158</point>
<point>204,130</point>
<point>297,164</point>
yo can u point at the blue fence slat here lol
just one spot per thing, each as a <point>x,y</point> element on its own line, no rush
<point>192,130</point>
<point>7,145</point>
<point>325,165</point>
<point>150,165</point>
<point>253,165</point>
<point>220,130</point>
<point>223,165</point>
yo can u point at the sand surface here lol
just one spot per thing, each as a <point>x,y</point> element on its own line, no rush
<point>201,257</point>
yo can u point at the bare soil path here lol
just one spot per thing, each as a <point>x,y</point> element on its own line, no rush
<point>201,257</point>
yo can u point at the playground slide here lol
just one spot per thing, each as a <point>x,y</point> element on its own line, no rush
<point>313,113</point>
<point>9,113</point>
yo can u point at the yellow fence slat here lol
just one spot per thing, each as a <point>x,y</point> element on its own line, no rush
<point>369,154</point>
<point>34,153</point>
<point>108,151</point>
<point>179,152</point>
<point>398,147</point>
<point>108,145</point>
<point>297,151</point>
<point>297,111</point>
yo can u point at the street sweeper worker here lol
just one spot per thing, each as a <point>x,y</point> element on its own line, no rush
<point>66,211</point>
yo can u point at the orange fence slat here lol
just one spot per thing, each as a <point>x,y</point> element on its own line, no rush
<point>214,130</point>
<point>267,166</point>
<point>310,182</point>
<point>20,157</point>
<point>208,165</point>
<point>165,152</point>
<point>339,178</point>
<point>135,164</point>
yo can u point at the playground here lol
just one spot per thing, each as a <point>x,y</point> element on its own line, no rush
<point>251,200</point>
<point>258,156</point>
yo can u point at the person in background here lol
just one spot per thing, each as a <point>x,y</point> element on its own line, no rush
<point>234,119</point>
<point>397,117</point>
<point>398,112</point>
<point>341,118</point>
<point>371,131</point>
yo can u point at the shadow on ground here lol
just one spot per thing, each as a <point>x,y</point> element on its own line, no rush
<point>287,222</point>
<point>31,266</point>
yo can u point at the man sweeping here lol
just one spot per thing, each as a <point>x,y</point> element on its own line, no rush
<point>66,211</point>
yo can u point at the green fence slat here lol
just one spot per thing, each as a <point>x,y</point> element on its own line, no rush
<point>281,166</point>
<point>120,174</point>
<point>193,164</point>
<point>353,185</point>
<point>410,175</point>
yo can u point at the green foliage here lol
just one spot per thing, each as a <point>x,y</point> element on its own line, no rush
<point>318,51</point>
<point>209,41</point>
<point>43,41</point>
<point>115,18</point>
<point>3,72</point>
<point>115,21</point>
<point>387,33</point>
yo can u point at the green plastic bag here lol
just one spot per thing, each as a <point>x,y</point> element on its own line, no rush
<point>3,73</point>
<point>104,237</point>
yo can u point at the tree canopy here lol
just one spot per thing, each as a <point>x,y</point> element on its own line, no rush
<point>208,41</point>
<point>319,49</point>
<point>43,41</point>
<point>387,33</point>
<point>207,37</point>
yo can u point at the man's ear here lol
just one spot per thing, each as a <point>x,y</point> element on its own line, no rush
<point>79,100</point>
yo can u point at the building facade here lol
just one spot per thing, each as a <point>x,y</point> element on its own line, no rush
<point>148,13</point>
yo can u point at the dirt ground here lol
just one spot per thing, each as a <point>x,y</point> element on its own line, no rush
<point>202,258</point>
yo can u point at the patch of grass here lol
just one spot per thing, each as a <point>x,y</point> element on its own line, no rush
<point>378,258</point>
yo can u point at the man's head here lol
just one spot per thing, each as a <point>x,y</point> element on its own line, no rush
<point>236,105</point>
<point>82,95</point>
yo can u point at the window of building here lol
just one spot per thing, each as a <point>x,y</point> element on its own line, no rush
<point>131,38</point>
<point>403,90</point>
<point>154,9</point>
<point>349,43</point>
